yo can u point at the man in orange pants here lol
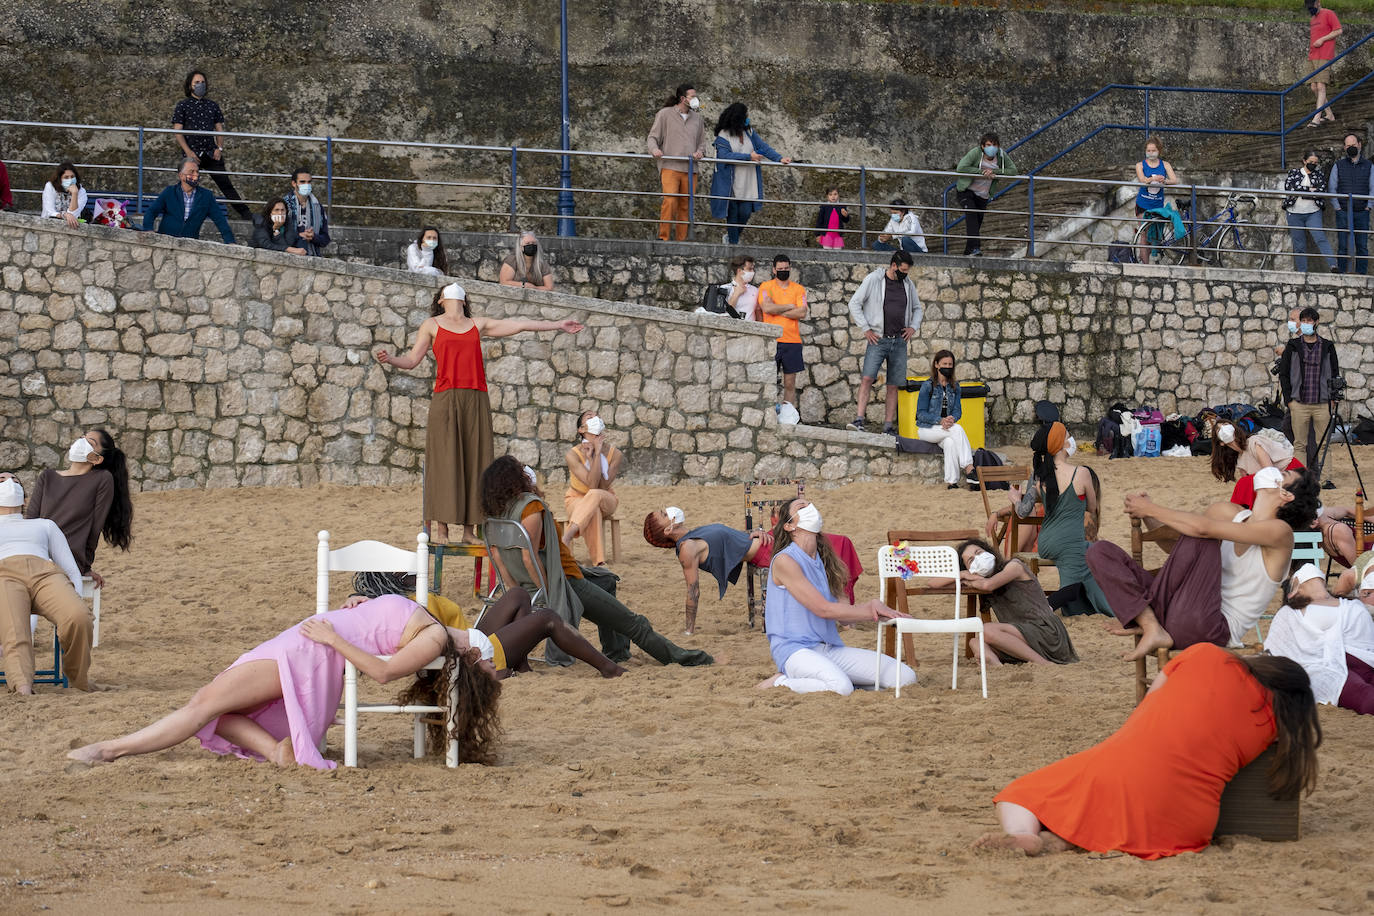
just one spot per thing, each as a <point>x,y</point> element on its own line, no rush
<point>677,140</point>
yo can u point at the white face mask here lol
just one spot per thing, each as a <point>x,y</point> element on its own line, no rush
<point>747,276</point>
<point>303,189</point>
<point>675,515</point>
<point>68,182</point>
<point>1071,446</point>
<point>982,564</point>
<point>11,493</point>
<point>278,218</point>
<point>1226,434</point>
<point>809,519</point>
<point>595,426</point>
<point>80,450</point>
<point>1292,328</point>
<point>431,244</point>
<point>694,103</point>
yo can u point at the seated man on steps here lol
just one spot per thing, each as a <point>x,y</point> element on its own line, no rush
<point>1219,577</point>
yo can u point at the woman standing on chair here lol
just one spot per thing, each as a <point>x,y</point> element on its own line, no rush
<point>1153,789</point>
<point>88,499</point>
<point>800,611</point>
<point>938,410</point>
<point>1027,629</point>
<point>458,441</point>
<point>277,700</point>
<point>593,466</point>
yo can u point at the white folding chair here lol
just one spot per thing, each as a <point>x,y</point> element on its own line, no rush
<point>91,592</point>
<point>374,556</point>
<point>933,562</point>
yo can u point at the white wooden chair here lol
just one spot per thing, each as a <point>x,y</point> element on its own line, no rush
<point>374,556</point>
<point>939,562</point>
<point>91,592</point>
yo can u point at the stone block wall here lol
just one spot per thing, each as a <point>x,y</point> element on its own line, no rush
<point>223,366</point>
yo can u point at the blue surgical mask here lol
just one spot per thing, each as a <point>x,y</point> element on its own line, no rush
<point>1307,329</point>
<point>303,189</point>
<point>748,121</point>
<point>68,182</point>
<point>990,150</point>
<point>1292,327</point>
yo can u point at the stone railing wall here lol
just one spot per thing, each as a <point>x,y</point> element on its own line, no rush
<point>222,366</point>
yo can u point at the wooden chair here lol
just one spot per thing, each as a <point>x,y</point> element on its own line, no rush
<point>1163,537</point>
<point>931,562</point>
<point>752,504</point>
<point>607,521</point>
<point>374,556</point>
<point>1010,474</point>
<point>1364,527</point>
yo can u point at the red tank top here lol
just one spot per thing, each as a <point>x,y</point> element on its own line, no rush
<point>460,360</point>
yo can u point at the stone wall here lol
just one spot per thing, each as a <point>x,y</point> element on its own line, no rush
<point>1084,334</point>
<point>221,366</point>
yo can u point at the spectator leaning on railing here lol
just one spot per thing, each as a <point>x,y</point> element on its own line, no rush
<point>981,166</point>
<point>1351,175</point>
<point>303,210</point>
<point>204,122</point>
<point>736,188</point>
<point>1305,212</point>
<point>184,207</point>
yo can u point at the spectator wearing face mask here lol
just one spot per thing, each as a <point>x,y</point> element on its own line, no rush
<point>1351,175</point>
<point>1304,211</point>
<point>426,254</point>
<point>182,208</point>
<point>303,210</point>
<point>903,230</point>
<point>737,187</point>
<point>593,466</point>
<point>982,165</point>
<point>741,293</point>
<point>783,302</point>
<point>1306,368</point>
<point>677,140</point>
<point>938,410</point>
<point>887,311</point>
<point>63,196</point>
<point>199,122</point>
<point>272,231</point>
<point>525,266</point>
<point>88,499</point>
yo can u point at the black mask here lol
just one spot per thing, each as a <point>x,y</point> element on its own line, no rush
<point>1353,152</point>
<point>198,90</point>
<point>947,371</point>
<point>530,250</point>
<point>1311,9</point>
<point>1311,165</point>
<point>782,275</point>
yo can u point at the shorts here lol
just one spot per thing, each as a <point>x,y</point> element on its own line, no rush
<point>1325,76</point>
<point>889,350</point>
<point>789,357</point>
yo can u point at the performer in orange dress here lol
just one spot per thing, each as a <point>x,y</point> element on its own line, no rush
<point>1153,789</point>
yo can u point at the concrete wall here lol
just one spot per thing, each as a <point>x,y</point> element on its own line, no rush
<point>218,365</point>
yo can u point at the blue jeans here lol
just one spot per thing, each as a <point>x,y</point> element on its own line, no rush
<point>908,244</point>
<point>1299,224</point>
<point>737,213</point>
<point>890,350</point>
<point>1361,240</point>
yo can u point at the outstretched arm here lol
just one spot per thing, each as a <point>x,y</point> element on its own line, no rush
<point>505,327</point>
<point>690,572</point>
<point>423,338</point>
<point>788,574</point>
<point>420,651</point>
<point>1272,533</point>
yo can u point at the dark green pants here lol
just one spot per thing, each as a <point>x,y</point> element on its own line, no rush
<point>604,610</point>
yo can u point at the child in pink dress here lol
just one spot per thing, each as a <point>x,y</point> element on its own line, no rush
<point>831,218</point>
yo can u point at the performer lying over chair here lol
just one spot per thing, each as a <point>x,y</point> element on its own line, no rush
<point>1332,638</point>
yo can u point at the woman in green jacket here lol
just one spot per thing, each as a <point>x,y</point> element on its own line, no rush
<point>982,164</point>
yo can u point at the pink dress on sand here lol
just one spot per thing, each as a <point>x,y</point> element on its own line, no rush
<point>312,677</point>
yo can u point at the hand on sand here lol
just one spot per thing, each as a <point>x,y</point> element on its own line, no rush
<point>91,754</point>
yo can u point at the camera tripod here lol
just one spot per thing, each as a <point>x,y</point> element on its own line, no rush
<point>1333,417</point>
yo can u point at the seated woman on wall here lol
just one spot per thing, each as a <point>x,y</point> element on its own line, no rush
<point>64,196</point>
<point>525,266</point>
<point>509,492</point>
<point>426,255</point>
<point>1027,629</point>
<point>1332,638</point>
<point>801,608</point>
<point>593,466</point>
<point>938,411</point>
<point>277,700</point>
<point>508,631</point>
<point>272,231</point>
<point>1154,788</point>
<point>88,499</point>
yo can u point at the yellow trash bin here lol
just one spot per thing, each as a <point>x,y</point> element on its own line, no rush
<point>972,401</point>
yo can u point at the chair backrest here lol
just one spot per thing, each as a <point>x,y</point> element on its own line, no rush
<point>503,534</point>
<point>1307,548</point>
<point>930,562</point>
<point>1007,473</point>
<point>949,537</point>
<point>1364,527</point>
<point>1140,536</point>
<point>371,556</point>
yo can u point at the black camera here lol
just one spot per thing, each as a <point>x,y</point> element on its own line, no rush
<point>1338,388</point>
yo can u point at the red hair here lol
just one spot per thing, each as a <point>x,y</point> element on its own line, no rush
<point>654,532</point>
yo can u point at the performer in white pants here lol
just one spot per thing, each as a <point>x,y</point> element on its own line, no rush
<point>800,612</point>
<point>937,419</point>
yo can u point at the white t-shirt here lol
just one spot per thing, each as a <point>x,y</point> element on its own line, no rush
<point>748,300</point>
<point>37,537</point>
<point>479,641</point>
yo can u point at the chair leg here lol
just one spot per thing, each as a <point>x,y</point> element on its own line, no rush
<point>350,715</point>
<point>452,758</point>
<point>95,612</point>
<point>615,539</point>
<point>898,643</point>
<point>419,737</point>
<point>982,664</point>
<point>954,673</point>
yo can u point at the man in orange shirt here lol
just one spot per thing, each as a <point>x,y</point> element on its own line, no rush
<point>783,303</point>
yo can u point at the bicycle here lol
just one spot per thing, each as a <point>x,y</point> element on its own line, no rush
<point>1236,238</point>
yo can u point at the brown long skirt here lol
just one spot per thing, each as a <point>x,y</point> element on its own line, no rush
<point>458,449</point>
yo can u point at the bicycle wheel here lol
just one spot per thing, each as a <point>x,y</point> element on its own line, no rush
<point>1242,247</point>
<point>1157,235</point>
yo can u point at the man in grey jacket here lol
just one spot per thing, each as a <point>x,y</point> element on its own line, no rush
<point>887,312</point>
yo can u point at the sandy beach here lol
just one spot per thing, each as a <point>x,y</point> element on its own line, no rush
<point>670,788</point>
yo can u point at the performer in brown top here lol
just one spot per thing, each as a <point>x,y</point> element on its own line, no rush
<point>88,499</point>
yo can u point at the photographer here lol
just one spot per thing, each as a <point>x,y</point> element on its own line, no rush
<point>1309,375</point>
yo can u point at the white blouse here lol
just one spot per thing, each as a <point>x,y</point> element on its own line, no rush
<point>56,202</point>
<point>421,261</point>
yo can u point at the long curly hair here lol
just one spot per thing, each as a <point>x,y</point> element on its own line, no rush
<point>1294,770</point>
<point>503,481</point>
<point>475,722</point>
<point>1224,457</point>
<point>1301,512</point>
<point>119,523</point>
<point>836,572</point>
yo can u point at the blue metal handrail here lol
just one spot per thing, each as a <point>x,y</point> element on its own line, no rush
<point>1282,131</point>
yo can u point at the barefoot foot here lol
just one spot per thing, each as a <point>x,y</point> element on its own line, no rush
<point>768,682</point>
<point>284,755</point>
<point>1149,644</point>
<point>1029,844</point>
<point>440,533</point>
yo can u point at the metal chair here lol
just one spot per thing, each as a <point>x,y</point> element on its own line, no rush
<point>374,556</point>
<point>935,562</point>
<point>759,575</point>
<point>502,535</point>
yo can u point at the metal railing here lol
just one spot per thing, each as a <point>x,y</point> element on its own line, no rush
<point>507,202</point>
<point>1281,131</point>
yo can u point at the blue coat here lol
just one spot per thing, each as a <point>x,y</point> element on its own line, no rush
<point>931,398</point>
<point>169,206</point>
<point>723,182</point>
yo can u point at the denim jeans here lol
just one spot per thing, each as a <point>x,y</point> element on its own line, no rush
<point>736,215</point>
<point>1299,224</point>
<point>908,244</point>
<point>889,350</point>
<point>1361,240</point>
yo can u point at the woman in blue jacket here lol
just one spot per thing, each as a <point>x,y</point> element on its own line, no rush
<point>737,192</point>
<point>937,419</point>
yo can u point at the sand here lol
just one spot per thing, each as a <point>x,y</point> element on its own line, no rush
<point>669,788</point>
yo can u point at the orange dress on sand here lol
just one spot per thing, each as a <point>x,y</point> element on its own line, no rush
<point>1153,789</point>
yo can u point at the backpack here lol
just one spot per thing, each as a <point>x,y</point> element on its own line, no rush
<point>716,300</point>
<point>983,458</point>
<point>1174,433</point>
<point>1121,254</point>
<point>1110,441</point>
